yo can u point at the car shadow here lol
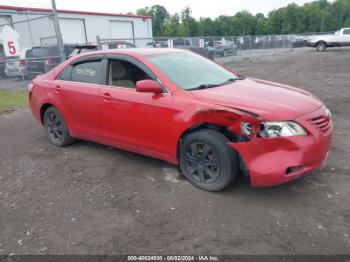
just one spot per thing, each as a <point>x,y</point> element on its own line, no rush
<point>240,187</point>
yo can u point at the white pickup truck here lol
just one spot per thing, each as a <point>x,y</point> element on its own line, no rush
<point>339,38</point>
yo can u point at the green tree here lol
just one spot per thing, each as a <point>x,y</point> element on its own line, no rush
<point>144,11</point>
<point>244,23</point>
<point>341,14</point>
<point>206,27</point>
<point>316,16</point>
<point>172,26</point>
<point>189,24</point>
<point>160,16</point>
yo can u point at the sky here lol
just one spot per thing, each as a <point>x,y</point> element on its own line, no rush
<point>200,8</point>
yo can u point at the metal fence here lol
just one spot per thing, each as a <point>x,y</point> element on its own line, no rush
<point>228,49</point>
<point>41,53</point>
<point>38,47</point>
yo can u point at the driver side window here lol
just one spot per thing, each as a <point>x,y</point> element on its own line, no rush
<point>124,74</point>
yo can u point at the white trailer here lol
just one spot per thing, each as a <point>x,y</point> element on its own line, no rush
<point>77,27</point>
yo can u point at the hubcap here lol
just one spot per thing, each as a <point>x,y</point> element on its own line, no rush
<point>55,127</point>
<point>202,163</point>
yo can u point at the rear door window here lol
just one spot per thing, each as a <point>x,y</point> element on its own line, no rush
<point>87,72</point>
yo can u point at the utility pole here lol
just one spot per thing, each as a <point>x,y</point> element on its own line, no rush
<point>57,31</point>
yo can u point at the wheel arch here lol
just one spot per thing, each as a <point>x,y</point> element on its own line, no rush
<point>210,125</point>
<point>47,104</point>
<point>231,136</point>
<point>226,121</point>
<point>43,109</point>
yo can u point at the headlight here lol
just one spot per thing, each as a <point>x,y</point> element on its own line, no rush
<point>281,129</point>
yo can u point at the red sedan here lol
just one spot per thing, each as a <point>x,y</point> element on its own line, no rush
<point>185,109</point>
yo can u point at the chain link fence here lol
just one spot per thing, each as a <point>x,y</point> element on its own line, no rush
<point>40,51</point>
<point>228,49</point>
<point>38,48</point>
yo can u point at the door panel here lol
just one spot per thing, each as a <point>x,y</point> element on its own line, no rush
<point>136,121</point>
<point>80,102</point>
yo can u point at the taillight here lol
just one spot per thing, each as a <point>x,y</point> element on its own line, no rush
<point>48,61</point>
<point>22,62</point>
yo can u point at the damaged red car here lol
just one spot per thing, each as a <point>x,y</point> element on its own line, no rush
<point>187,110</point>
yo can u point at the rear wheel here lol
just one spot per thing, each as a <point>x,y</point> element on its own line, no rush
<point>207,161</point>
<point>321,47</point>
<point>56,128</point>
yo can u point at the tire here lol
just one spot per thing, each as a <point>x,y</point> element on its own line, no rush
<point>217,168</point>
<point>56,128</point>
<point>321,47</point>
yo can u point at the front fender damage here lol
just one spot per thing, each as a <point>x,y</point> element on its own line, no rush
<point>256,153</point>
<point>230,118</point>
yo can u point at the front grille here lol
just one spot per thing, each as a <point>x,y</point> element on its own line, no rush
<point>323,123</point>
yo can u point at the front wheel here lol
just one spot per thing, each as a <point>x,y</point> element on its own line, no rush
<point>207,161</point>
<point>56,128</point>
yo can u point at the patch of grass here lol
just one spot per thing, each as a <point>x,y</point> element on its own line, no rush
<point>10,99</point>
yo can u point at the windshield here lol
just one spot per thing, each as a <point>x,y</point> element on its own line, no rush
<point>190,71</point>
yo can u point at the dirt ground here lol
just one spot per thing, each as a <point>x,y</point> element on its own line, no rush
<point>91,199</point>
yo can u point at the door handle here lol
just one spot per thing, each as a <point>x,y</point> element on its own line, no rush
<point>107,96</point>
<point>57,88</point>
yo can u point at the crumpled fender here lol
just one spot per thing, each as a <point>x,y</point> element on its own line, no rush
<point>231,118</point>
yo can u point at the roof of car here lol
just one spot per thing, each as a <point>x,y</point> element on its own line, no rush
<point>137,51</point>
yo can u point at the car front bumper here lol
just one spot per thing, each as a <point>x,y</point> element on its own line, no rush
<point>274,161</point>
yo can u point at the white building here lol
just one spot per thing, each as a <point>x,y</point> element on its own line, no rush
<point>75,26</point>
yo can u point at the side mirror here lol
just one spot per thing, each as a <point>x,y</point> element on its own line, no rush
<point>149,86</point>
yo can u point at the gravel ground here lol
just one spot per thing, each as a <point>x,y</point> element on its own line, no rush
<point>92,199</point>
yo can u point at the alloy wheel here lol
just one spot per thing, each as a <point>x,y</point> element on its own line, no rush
<point>55,127</point>
<point>202,163</point>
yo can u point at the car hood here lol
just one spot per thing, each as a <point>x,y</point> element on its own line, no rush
<point>272,101</point>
